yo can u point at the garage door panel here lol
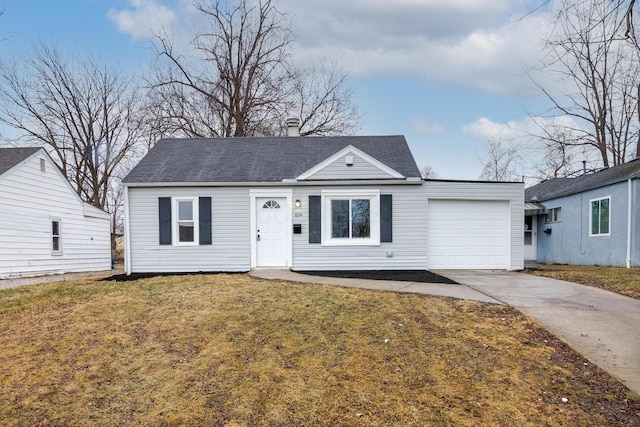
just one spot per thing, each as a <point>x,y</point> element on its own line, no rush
<point>468,234</point>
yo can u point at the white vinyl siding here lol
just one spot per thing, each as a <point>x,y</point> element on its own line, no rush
<point>232,238</point>
<point>361,169</point>
<point>511,193</point>
<point>29,200</point>
<point>406,252</point>
<point>230,217</point>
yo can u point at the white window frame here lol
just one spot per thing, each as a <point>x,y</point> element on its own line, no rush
<point>591,234</point>
<point>58,236</point>
<point>374,217</point>
<point>175,220</point>
<point>554,215</point>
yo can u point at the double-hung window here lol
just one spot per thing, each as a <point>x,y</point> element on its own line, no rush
<point>184,221</point>
<point>56,244</point>
<point>186,226</point>
<point>351,217</point>
<point>599,216</point>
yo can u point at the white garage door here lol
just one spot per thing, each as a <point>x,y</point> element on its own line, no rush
<point>468,234</point>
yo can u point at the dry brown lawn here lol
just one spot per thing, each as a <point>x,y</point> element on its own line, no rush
<point>625,281</point>
<point>231,350</point>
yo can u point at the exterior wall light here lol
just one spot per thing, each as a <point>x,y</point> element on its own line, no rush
<point>298,203</point>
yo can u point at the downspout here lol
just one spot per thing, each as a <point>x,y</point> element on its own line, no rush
<point>629,221</point>
<point>127,234</point>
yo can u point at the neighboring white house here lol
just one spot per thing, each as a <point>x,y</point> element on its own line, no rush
<point>45,228</point>
<point>311,203</point>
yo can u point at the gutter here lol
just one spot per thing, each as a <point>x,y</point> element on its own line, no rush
<point>629,220</point>
<point>287,184</point>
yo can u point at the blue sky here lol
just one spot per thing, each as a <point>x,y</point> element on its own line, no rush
<point>447,74</point>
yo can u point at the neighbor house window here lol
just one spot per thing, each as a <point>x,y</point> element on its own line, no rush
<point>600,216</point>
<point>56,245</point>
<point>554,215</point>
<point>186,221</point>
<point>351,218</point>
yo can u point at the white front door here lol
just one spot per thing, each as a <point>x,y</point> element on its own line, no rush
<point>271,231</point>
<point>530,238</point>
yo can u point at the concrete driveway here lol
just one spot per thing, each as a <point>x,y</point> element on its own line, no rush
<point>602,326</point>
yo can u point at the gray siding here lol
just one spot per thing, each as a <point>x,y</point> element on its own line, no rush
<point>569,241</point>
<point>408,249</point>
<point>29,200</point>
<point>361,169</point>
<point>230,249</point>
<point>510,192</point>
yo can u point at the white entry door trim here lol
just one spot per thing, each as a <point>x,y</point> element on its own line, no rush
<point>530,237</point>
<point>287,195</point>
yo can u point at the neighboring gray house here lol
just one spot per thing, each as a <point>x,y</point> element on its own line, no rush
<point>311,203</point>
<point>589,220</point>
<point>45,228</point>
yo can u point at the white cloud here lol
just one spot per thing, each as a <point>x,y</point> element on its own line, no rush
<point>475,43</point>
<point>515,130</point>
<point>480,44</point>
<point>144,19</point>
<point>484,128</point>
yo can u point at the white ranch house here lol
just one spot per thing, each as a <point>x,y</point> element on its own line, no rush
<point>311,203</point>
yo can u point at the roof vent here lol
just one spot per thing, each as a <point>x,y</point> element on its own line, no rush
<point>349,161</point>
<point>293,126</point>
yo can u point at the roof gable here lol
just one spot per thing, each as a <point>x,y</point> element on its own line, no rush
<point>350,163</point>
<point>559,187</point>
<point>261,160</point>
<point>10,157</point>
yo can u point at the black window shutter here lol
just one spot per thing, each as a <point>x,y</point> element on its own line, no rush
<point>315,220</point>
<point>164,216</point>
<point>204,219</point>
<point>386,218</point>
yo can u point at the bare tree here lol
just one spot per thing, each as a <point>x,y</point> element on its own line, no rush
<point>238,80</point>
<point>82,111</point>
<point>323,101</point>
<point>600,76</point>
<point>501,163</point>
<point>428,172</point>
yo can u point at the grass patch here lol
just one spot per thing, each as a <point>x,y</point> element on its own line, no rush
<point>625,281</point>
<point>235,350</point>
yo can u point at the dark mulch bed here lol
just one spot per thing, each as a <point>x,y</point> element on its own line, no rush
<point>422,276</point>
<point>137,276</point>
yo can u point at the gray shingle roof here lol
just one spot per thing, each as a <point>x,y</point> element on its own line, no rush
<point>203,160</point>
<point>9,157</point>
<point>559,187</point>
